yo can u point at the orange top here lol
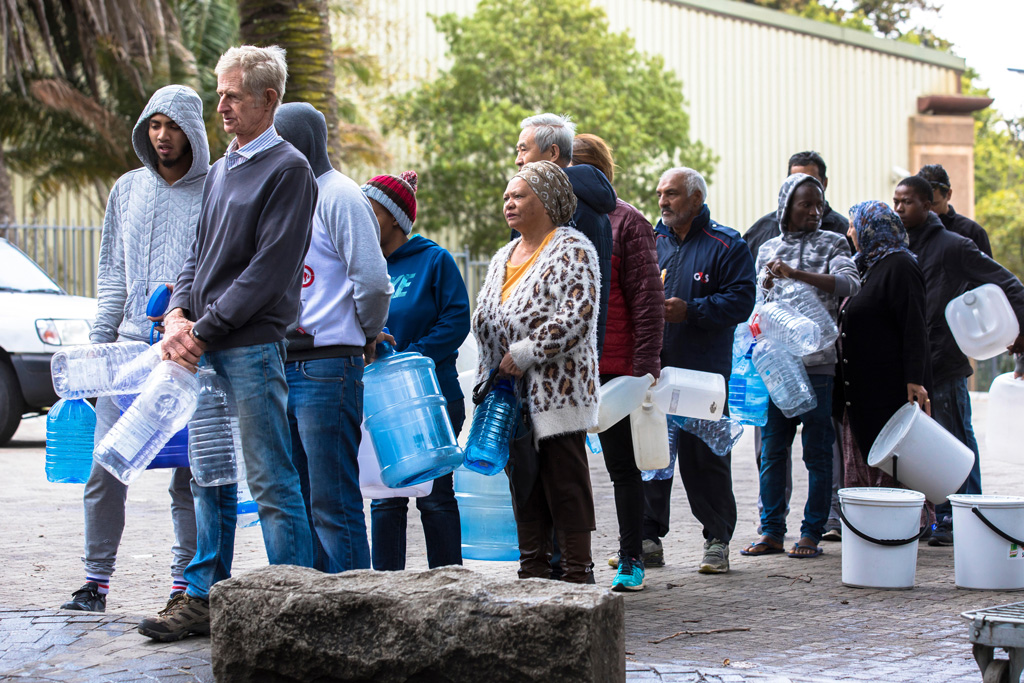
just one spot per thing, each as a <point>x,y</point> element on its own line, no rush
<point>513,274</point>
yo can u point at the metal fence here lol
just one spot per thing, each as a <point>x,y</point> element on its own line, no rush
<point>68,253</point>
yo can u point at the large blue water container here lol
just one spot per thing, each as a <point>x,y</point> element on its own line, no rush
<point>70,429</point>
<point>493,424</point>
<point>485,513</point>
<point>406,418</point>
<point>748,396</point>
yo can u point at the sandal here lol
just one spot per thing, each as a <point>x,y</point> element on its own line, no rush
<point>803,552</point>
<point>763,548</point>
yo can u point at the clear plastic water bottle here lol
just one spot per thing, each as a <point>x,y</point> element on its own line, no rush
<point>405,415</point>
<point>164,406</point>
<point>748,396</point>
<point>741,340</point>
<point>247,511</point>
<point>102,369</point>
<point>174,453</point>
<point>70,427</point>
<point>805,300</point>
<point>785,378</point>
<point>214,439</point>
<point>719,435</point>
<point>594,444</point>
<point>485,514</point>
<point>493,424</point>
<point>787,327</point>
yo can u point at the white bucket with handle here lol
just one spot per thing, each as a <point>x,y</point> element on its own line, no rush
<point>988,541</point>
<point>880,531</point>
<point>920,454</point>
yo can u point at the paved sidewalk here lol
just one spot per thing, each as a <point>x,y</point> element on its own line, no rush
<point>799,623</point>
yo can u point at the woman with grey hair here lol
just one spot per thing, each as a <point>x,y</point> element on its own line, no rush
<point>536,321</point>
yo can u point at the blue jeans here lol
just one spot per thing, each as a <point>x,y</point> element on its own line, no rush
<point>776,440</point>
<point>439,513</point>
<point>951,408</point>
<point>256,375</point>
<point>325,409</point>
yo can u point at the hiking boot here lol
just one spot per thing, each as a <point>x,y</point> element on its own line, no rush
<point>630,576</point>
<point>87,599</point>
<point>716,557</point>
<point>183,616</point>
<point>942,532</point>
<point>174,595</point>
<point>653,554</point>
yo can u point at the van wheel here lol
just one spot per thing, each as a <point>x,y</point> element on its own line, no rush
<point>11,403</point>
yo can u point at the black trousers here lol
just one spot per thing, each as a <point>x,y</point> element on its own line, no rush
<point>617,445</point>
<point>708,482</point>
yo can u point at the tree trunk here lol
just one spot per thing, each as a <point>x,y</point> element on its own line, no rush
<point>301,27</point>
<point>6,193</point>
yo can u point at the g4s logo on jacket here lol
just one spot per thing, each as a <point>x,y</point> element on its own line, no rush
<point>702,277</point>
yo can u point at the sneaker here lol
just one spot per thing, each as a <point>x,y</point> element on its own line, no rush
<point>942,532</point>
<point>833,535</point>
<point>653,554</point>
<point>183,616</point>
<point>630,576</point>
<point>716,557</point>
<point>87,599</point>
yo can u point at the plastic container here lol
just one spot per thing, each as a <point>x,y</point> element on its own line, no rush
<point>748,396</point>
<point>803,297</point>
<point>649,427</point>
<point>620,397</point>
<point>174,454</point>
<point>485,513</point>
<point>405,415</point>
<point>102,369</point>
<point>982,322</point>
<point>70,429</point>
<point>789,328</point>
<point>370,484</point>
<point>984,559</point>
<point>719,435</point>
<point>883,514</point>
<point>594,444</point>
<point>690,393</point>
<point>247,511</point>
<point>925,456</point>
<point>493,423</point>
<point>741,341</point>
<point>785,378</point>
<point>1005,408</point>
<point>156,307</point>
<point>665,472</point>
<point>214,439</point>
<point>163,407</point>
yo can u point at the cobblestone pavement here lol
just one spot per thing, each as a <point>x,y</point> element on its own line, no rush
<point>800,623</point>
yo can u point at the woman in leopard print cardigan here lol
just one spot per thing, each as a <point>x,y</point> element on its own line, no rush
<point>536,319</point>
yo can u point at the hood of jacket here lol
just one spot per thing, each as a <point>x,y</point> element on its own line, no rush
<point>416,244</point>
<point>592,187</point>
<point>306,128</point>
<point>787,191</point>
<point>182,105</point>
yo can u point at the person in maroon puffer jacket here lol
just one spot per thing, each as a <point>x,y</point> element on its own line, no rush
<point>632,346</point>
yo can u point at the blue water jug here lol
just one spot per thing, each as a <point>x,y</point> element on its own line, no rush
<point>70,428</point>
<point>485,514</point>
<point>174,454</point>
<point>493,424</point>
<point>406,418</point>
<point>748,396</point>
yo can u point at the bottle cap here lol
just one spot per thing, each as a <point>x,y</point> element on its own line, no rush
<point>158,301</point>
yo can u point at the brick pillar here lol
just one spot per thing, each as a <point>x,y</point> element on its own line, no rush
<point>946,140</point>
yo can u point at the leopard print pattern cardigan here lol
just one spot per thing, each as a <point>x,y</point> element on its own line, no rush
<point>550,325</point>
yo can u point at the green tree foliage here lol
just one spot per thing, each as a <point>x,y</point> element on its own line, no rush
<point>516,58</point>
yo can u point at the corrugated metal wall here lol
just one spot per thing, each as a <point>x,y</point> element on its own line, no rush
<point>757,92</point>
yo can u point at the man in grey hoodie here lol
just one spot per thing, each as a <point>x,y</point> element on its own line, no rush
<point>148,227</point>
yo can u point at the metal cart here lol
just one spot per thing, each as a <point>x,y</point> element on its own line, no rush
<point>1003,627</point>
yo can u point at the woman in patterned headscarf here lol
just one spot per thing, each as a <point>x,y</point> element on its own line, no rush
<point>536,321</point>
<point>883,343</point>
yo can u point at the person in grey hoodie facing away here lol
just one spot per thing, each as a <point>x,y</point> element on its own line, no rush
<point>236,296</point>
<point>148,227</point>
<point>805,253</point>
<point>345,296</point>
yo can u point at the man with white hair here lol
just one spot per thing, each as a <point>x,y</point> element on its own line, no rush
<point>548,137</point>
<point>235,298</point>
<point>709,289</point>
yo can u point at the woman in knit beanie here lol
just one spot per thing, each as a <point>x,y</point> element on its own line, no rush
<point>429,314</point>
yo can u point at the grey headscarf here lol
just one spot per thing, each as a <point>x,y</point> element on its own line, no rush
<point>552,187</point>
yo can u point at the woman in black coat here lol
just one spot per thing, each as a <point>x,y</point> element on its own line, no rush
<point>883,342</point>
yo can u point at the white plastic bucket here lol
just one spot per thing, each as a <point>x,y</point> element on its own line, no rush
<point>927,457</point>
<point>982,558</point>
<point>1005,406</point>
<point>885,515</point>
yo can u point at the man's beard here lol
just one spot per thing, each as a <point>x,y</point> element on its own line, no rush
<point>171,163</point>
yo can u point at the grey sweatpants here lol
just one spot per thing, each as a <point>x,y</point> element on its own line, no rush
<point>105,509</point>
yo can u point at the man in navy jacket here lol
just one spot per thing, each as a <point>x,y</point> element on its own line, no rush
<point>709,289</point>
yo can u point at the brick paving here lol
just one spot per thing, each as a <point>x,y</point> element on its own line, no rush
<point>804,625</point>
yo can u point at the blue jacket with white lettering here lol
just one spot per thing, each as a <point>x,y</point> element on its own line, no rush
<point>713,272</point>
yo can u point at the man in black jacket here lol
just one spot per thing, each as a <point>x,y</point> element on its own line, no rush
<point>943,192</point>
<point>951,264</point>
